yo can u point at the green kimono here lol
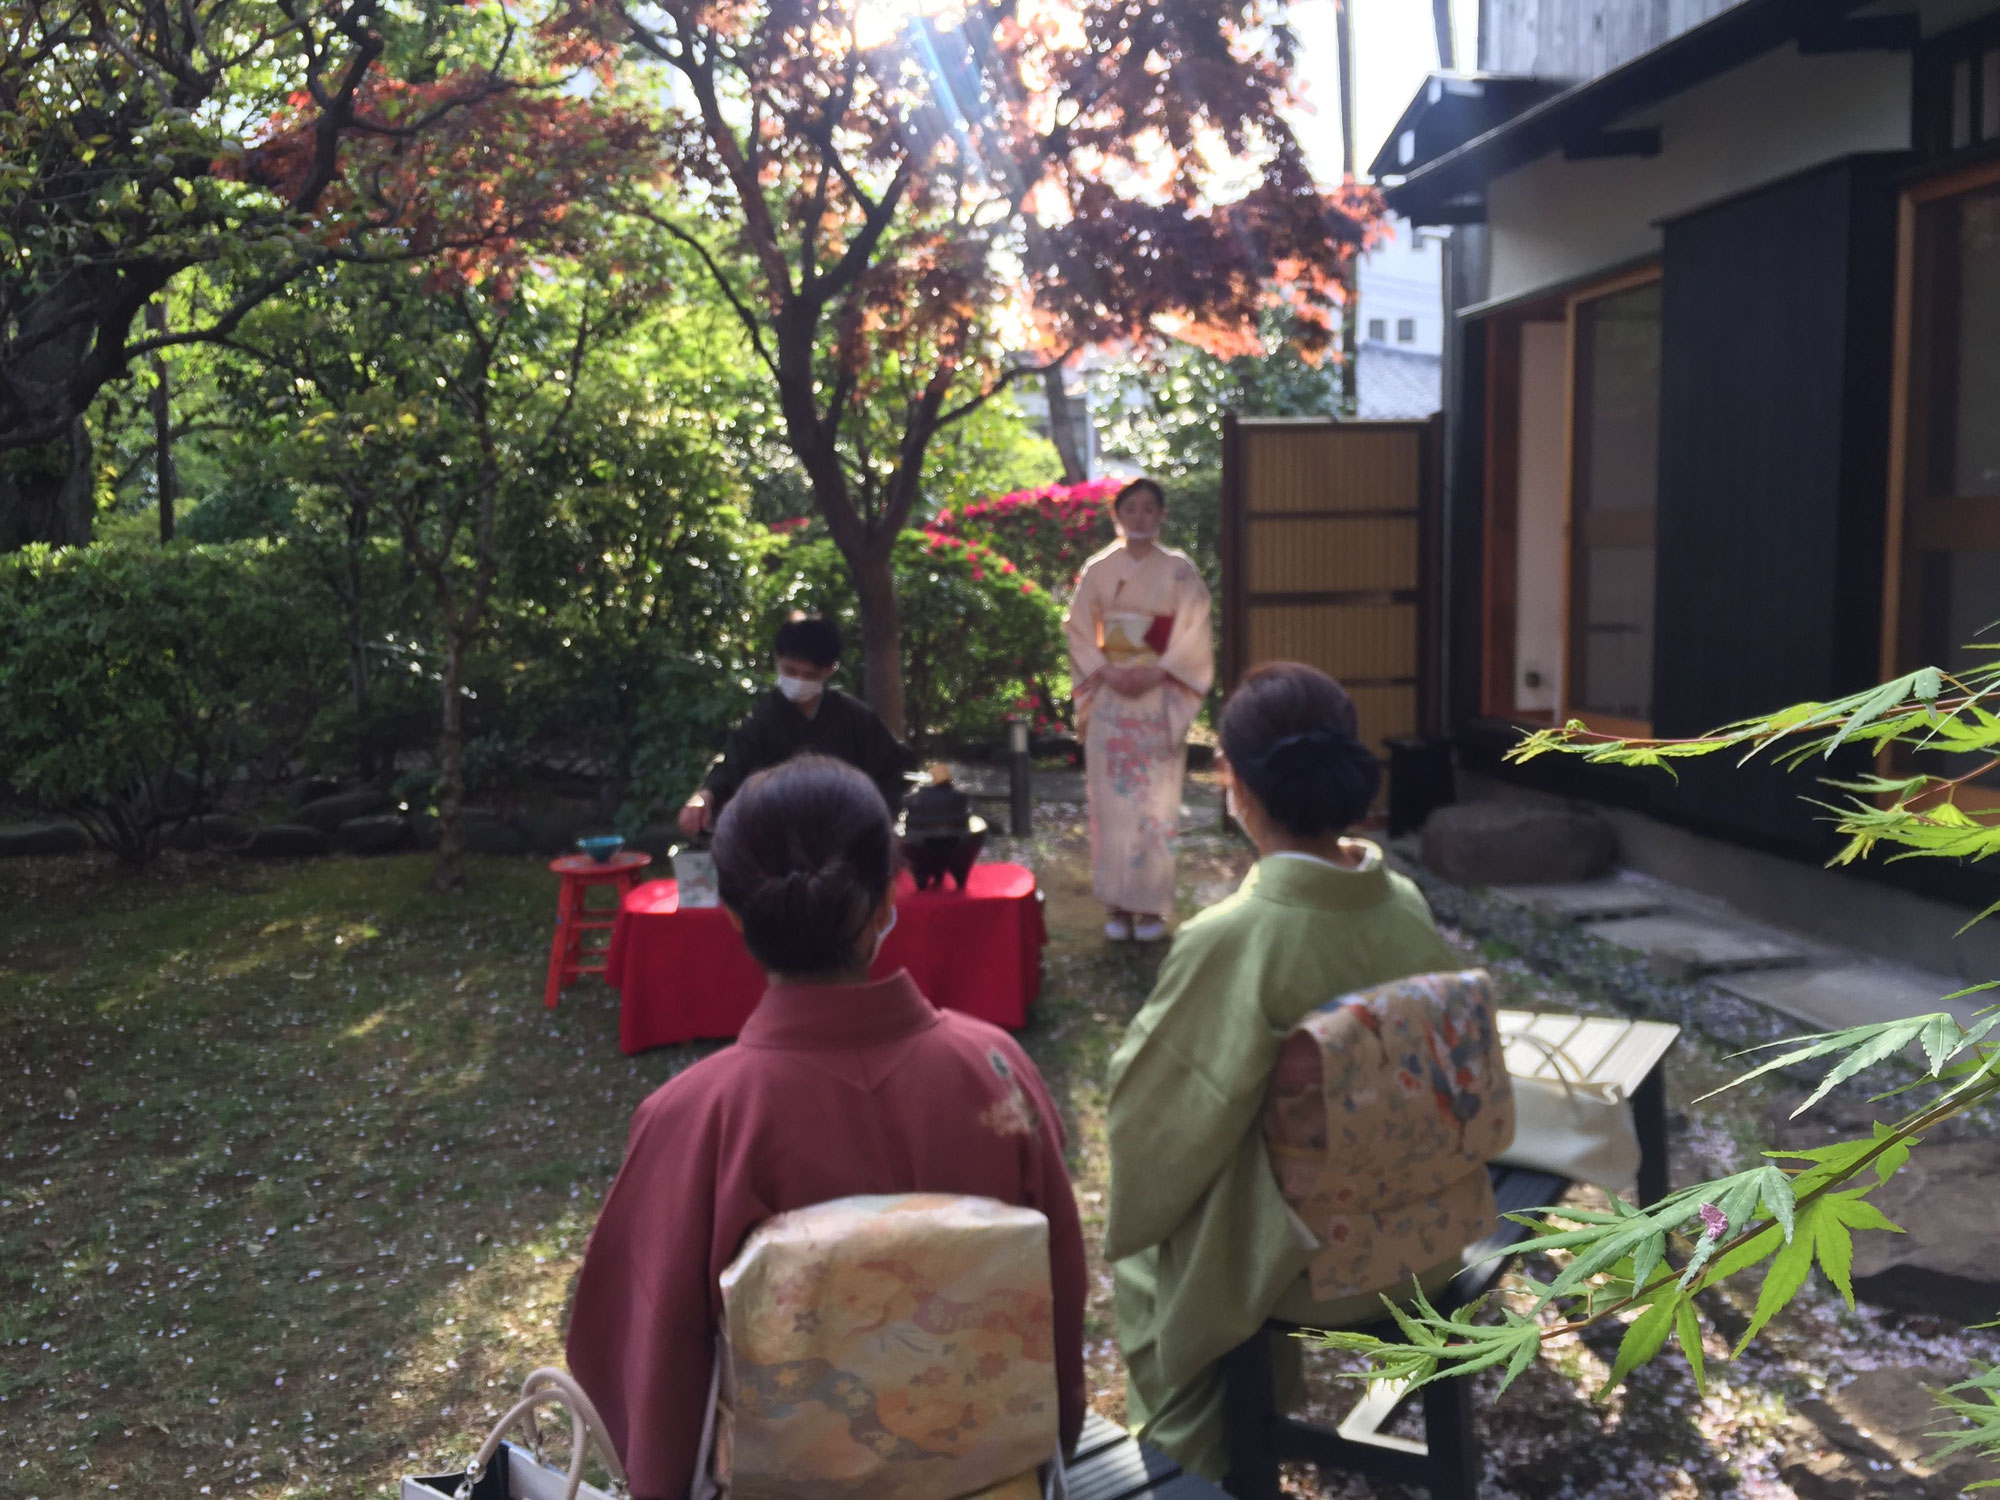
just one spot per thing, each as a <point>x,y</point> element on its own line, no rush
<point>1204,1246</point>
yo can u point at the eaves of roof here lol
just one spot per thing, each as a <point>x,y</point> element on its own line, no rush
<point>1449,188</point>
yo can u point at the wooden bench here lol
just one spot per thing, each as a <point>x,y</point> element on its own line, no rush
<point>1446,1461</point>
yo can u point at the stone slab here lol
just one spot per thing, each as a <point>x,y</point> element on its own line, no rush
<point>1587,901</point>
<point>42,838</point>
<point>1689,948</point>
<point>1871,1440</point>
<point>1943,1263</point>
<point>286,841</point>
<point>1856,994</point>
<point>1516,843</point>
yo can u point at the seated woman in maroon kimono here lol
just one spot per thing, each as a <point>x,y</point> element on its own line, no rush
<point>836,1086</point>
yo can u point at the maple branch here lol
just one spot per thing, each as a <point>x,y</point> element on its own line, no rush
<point>752,324</point>
<point>338,112</point>
<point>491,87</point>
<point>1006,378</point>
<point>861,249</point>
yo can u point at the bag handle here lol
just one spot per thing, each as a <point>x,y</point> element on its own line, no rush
<point>550,1387</point>
<point>1565,1065</point>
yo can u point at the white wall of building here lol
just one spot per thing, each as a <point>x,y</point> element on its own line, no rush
<point>1400,283</point>
<point>1556,220</point>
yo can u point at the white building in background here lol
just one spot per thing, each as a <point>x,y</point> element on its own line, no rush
<point>1400,325</point>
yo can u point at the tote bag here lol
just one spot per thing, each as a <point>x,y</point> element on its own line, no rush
<point>507,1471</point>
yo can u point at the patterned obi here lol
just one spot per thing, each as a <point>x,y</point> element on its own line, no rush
<point>1381,1115</point>
<point>1132,639</point>
<point>899,1347</point>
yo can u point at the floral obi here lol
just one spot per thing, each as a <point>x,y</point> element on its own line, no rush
<point>1380,1117</point>
<point>897,1347</point>
<point>1133,639</point>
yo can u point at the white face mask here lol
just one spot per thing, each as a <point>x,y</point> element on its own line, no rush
<point>797,689</point>
<point>895,914</point>
<point>1229,805</point>
<point>1142,536</point>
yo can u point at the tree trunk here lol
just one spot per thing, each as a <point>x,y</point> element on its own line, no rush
<point>357,635</point>
<point>881,630</point>
<point>47,493</point>
<point>1066,426</point>
<point>450,872</point>
<point>165,482</point>
<point>1441,21</point>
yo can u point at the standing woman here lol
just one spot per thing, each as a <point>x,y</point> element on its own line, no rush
<point>1141,659</point>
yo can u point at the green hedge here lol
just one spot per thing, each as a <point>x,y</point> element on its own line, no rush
<point>981,640</point>
<point>135,681</point>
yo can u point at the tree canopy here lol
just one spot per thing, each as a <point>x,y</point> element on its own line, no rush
<point>910,208</point>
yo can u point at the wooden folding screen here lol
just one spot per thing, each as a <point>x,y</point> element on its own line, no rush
<point>1328,557</point>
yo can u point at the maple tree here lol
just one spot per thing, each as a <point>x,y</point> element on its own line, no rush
<point>898,204</point>
<point>256,140</point>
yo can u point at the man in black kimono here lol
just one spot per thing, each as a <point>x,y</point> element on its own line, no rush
<point>801,714</point>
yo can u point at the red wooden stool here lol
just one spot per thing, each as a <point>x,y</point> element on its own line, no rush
<point>569,956</point>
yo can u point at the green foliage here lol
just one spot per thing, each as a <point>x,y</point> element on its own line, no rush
<point>1803,1208</point>
<point>1166,416</point>
<point>137,681</point>
<point>982,641</point>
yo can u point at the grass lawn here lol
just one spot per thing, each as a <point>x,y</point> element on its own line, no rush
<point>296,1172</point>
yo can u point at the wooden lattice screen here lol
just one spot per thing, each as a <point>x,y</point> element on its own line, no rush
<point>1328,540</point>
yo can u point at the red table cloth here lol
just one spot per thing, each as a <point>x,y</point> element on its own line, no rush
<point>686,974</point>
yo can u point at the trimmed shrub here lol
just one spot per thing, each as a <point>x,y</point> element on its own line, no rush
<point>981,639</point>
<point>136,681</point>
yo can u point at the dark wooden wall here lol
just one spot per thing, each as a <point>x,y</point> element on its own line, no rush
<point>1579,39</point>
<point>1774,411</point>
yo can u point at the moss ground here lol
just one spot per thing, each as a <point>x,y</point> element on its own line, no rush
<point>296,1171</point>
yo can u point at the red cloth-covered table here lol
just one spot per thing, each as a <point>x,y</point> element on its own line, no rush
<point>686,974</point>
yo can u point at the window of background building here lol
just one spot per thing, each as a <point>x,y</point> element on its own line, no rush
<point>1406,330</point>
<point>1378,329</point>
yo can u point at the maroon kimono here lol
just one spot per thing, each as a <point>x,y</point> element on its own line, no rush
<point>829,1092</point>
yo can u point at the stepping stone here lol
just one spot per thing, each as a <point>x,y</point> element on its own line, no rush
<point>328,813</point>
<point>1592,901</point>
<point>286,841</point>
<point>1871,1440</point>
<point>1682,948</point>
<point>1851,994</point>
<point>1518,843</point>
<point>1943,1263</point>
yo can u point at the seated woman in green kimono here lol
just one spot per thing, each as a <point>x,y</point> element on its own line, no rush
<point>1203,1244</point>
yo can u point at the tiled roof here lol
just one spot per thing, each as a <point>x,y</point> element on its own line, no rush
<point>1394,383</point>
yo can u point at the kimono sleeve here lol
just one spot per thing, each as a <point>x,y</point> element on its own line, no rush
<point>750,748</point>
<point>884,758</point>
<point>1190,655</point>
<point>1080,627</point>
<point>1186,1086</point>
<point>641,1340</point>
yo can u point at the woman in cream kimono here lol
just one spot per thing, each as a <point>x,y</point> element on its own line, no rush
<point>1141,659</point>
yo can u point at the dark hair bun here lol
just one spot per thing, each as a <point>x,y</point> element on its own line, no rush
<point>803,855</point>
<point>1291,735</point>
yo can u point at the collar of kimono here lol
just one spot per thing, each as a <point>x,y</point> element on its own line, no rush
<point>1316,883</point>
<point>838,1015</point>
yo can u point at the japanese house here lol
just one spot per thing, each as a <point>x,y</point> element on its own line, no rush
<point>1721,377</point>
